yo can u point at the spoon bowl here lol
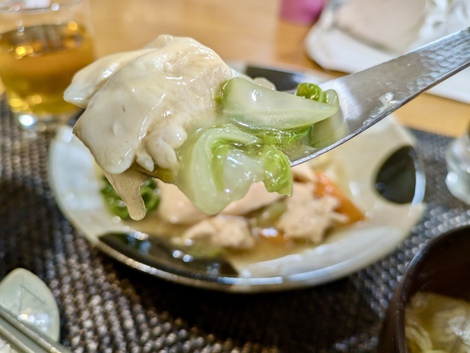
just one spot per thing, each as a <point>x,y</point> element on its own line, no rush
<point>368,96</point>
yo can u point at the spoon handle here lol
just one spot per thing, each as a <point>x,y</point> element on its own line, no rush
<point>368,96</point>
<point>376,92</point>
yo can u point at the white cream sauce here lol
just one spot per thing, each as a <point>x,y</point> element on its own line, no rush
<point>140,106</point>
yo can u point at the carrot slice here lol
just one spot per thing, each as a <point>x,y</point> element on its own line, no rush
<point>325,186</point>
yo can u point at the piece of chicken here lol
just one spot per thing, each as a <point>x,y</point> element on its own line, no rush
<point>139,106</point>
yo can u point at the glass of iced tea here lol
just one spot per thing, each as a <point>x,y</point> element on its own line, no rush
<point>42,44</point>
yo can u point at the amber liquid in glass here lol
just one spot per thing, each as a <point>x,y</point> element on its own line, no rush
<point>38,63</point>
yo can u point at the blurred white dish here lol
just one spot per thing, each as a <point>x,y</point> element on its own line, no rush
<point>349,42</point>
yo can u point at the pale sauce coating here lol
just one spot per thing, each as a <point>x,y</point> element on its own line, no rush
<point>140,106</point>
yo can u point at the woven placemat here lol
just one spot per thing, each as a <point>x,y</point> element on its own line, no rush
<point>107,307</point>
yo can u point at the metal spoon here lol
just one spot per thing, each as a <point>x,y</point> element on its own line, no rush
<point>368,96</point>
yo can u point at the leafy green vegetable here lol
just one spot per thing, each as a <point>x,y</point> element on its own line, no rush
<point>255,131</point>
<point>281,138</point>
<point>256,127</point>
<point>256,107</point>
<point>148,191</point>
<point>311,91</point>
<point>277,173</point>
<point>219,164</point>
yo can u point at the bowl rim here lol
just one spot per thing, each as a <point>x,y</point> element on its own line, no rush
<point>403,294</point>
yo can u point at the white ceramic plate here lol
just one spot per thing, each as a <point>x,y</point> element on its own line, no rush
<point>76,183</point>
<point>335,49</point>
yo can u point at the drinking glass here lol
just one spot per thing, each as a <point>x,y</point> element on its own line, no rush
<point>42,44</point>
<point>458,166</point>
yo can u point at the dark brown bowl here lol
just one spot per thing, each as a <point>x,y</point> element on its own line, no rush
<point>442,266</point>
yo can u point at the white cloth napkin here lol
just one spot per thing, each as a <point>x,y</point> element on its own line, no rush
<point>352,35</point>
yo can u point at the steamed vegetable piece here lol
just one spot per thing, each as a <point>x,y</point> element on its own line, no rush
<point>259,108</point>
<point>258,127</point>
<point>325,186</point>
<point>219,165</point>
<point>148,191</point>
<point>174,110</point>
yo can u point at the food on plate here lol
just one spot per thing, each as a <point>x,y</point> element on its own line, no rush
<point>148,191</point>
<point>317,206</point>
<point>176,111</point>
<point>437,323</point>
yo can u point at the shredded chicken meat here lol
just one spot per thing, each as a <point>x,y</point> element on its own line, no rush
<point>306,217</point>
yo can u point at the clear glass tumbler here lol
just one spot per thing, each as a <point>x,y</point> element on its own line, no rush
<point>42,44</point>
<point>458,166</point>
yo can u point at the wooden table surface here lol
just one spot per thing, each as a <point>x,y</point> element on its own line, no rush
<point>245,30</point>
